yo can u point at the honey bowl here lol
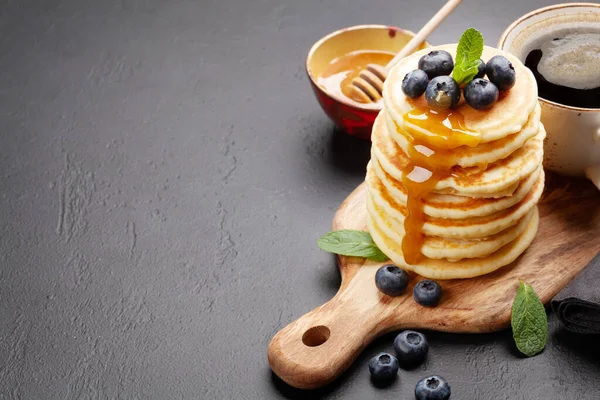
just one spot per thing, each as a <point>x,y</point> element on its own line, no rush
<point>351,116</point>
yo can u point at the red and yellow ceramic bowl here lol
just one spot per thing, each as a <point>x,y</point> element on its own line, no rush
<point>354,118</point>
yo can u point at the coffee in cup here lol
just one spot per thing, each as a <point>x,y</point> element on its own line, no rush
<point>566,66</point>
<point>561,45</point>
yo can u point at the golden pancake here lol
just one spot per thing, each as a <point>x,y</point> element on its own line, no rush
<point>436,247</point>
<point>456,207</point>
<point>495,181</point>
<point>466,268</point>
<point>508,115</point>
<point>482,154</point>
<point>467,228</point>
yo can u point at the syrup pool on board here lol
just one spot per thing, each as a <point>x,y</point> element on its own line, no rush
<point>338,75</point>
<point>431,135</point>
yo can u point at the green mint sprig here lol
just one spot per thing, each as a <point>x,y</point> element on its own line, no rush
<point>348,242</point>
<point>468,53</point>
<point>529,321</point>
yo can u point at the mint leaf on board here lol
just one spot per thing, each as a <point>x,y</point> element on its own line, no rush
<point>351,243</point>
<point>468,53</point>
<point>529,321</point>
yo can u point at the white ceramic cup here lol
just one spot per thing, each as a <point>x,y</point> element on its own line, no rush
<point>572,145</point>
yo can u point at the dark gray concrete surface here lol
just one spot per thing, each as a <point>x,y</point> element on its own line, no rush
<point>165,173</point>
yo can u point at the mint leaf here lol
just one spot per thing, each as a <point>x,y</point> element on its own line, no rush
<point>351,243</point>
<point>529,321</point>
<point>468,53</point>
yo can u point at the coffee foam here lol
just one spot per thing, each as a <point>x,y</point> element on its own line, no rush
<point>570,58</point>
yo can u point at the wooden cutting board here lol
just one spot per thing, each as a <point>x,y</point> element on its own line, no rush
<point>316,348</point>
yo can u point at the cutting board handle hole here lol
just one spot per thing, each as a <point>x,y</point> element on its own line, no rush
<point>316,336</point>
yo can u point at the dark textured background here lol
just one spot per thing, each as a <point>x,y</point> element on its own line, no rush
<point>165,172</point>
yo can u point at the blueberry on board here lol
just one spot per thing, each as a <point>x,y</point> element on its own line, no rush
<point>442,93</point>
<point>436,63</point>
<point>411,348</point>
<point>500,72</point>
<point>427,293</point>
<point>432,388</point>
<point>480,94</point>
<point>480,69</point>
<point>391,280</point>
<point>415,83</point>
<point>383,367</point>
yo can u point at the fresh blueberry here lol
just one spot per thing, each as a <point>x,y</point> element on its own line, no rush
<point>442,92</point>
<point>427,293</point>
<point>411,348</point>
<point>480,69</point>
<point>415,83</point>
<point>436,63</point>
<point>432,388</point>
<point>500,72</point>
<point>391,280</point>
<point>481,94</point>
<point>383,367</point>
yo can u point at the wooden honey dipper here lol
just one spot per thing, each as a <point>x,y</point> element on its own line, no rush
<point>368,85</point>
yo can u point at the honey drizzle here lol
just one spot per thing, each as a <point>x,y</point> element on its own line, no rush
<point>431,137</point>
<point>449,130</point>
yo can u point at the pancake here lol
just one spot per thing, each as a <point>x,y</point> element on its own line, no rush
<point>467,228</point>
<point>508,115</point>
<point>435,247</point>
<point>456,207</point>
<point>466,268</point>
<point>484,153</point>
<point>453,193</point>
<point>457,249</point>
<point>499,179</point>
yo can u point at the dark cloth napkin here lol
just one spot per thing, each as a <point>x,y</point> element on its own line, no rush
<point>578,304</point>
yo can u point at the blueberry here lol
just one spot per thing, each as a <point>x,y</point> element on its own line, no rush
<point>481,94</point>
<point>383,367</point>
<point>432,388</point>
<point>391,280</point>
<point>415,83</point>
<point>436,63</point>
<point>442,92</point>
<point>480,69</point>
<point>411,348</point>
<point>427,293</point>
<point>500,72</point>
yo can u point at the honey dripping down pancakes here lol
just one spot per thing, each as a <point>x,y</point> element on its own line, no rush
<point>453,193</point>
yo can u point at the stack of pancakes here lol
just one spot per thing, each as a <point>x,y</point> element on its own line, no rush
<point>481,214</point>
